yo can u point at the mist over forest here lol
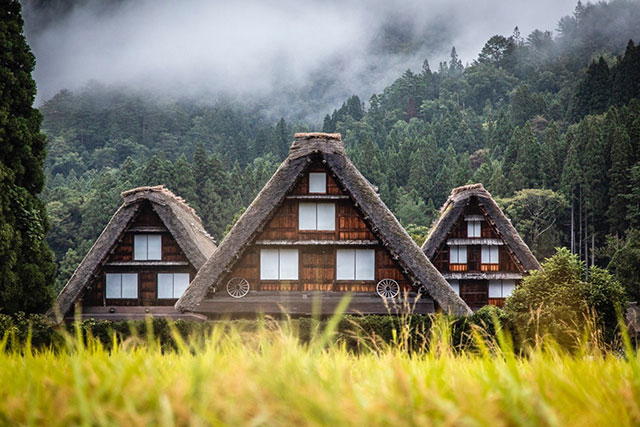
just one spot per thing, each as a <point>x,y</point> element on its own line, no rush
<point>297,58</point>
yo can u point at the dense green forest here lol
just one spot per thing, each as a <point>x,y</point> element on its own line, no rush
<point>550,123</point>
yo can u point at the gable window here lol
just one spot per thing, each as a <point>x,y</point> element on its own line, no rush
<point>490,255</point>
<point>278,264</point>
<point>455,285</point>
<point>474,228</point>
<point>355,264</point>
<point>317,216</point>
<point>147,247</point>
<point>172,285</point>
<point>317,182</point>
<point>458,254</point>
<point>501,288</point>
<point>120,286</point>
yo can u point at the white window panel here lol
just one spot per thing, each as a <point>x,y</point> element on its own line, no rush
<point>165,285</point>
<point>495,289</point>
<point>473,229</point>
<point>365,264</point>
<point>154,247</point>
<point>288,264</point>
<point>114,286</point>
<point>269,264</point>
<point>490,254</point>
<point>458,254</point>
<point>307,216</point>
<point>317,182</point>
<point>130,285</point>
<point>345,264</point>
<point>326,216</point>
<point>508,286</point>
<point>140,247</point>
<point>455,285</point>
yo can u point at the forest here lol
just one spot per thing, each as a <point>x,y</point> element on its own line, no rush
<point>549,122</point>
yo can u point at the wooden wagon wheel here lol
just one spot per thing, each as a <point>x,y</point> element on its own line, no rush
<point>237,287</point>
<point>388,288</point>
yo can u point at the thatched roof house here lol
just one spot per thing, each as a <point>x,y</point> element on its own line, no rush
<point>183,247</point>
<point>475,246</point>
<point>324,153</point>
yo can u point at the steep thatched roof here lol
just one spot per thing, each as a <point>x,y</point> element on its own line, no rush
<point>329,149</point>
<point>454,207</point>
<point>180,219</point>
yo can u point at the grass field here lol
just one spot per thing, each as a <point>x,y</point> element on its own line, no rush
<point>269,378</point>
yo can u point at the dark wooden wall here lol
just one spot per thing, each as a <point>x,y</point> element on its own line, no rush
<point>316,269</point>
<point>147,275</point>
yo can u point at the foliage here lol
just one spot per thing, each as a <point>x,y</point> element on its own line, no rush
<point>550,301</point>
<point>625,264</point>
<point>232,375</point>
<point>26,263</point>
<point>558,301</point>
<point>537,215</point>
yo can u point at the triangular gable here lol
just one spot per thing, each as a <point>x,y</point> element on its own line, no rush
<point>454,208</point>
<point>181,221</point>
<point>328,148</point>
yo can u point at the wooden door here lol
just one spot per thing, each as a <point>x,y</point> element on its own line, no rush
<point>475,293</point>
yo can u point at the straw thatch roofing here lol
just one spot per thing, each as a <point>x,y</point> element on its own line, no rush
<point>329,149</point>
<point>180,219</point>
<point>454,207</point>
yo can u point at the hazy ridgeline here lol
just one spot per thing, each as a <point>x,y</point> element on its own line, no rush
<point>268,375</point>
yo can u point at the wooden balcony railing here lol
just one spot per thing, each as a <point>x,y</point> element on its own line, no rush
<point>457,267</point>
<point>489,267</point>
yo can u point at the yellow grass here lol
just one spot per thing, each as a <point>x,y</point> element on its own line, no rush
<point>269,378</point>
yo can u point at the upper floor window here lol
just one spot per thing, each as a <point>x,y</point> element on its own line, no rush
<point>490,254</point>
<point>317,216</point>
<point>474,228</point>
<point>123,285</point>
<point>355,264</point>
<point>172,285</point>
<point>317,182</point>
<point>458,254</point>
<point>147,247</point>
<point>278,264</point>
<point>501,288</point>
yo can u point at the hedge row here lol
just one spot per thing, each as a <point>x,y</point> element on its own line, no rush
<point>358,332</point>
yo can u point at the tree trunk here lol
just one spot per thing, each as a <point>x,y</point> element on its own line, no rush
<point>573,226</point>
<point>593,249</point>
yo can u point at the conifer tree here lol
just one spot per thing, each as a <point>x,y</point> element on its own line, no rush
<point>26,262</point>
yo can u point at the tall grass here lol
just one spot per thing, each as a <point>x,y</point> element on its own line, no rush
<point>270,377</point>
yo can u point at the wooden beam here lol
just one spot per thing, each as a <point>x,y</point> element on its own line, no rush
<point>146,263</point>
<point>317,197</point>
<point>317,242</point>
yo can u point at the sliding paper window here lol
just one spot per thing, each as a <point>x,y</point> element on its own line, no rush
<point>458,254</point>
<point>123,285</point>
<point>147,247</point>
<point>355,264</point>
<point>278,264</point>
<point>490,254</point>
<point>172,285</point>
<point>317,216</point>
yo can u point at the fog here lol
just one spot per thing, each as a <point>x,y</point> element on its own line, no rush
<point>253,48</point>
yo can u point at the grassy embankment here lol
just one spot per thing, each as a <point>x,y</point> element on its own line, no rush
<point>269,378</point>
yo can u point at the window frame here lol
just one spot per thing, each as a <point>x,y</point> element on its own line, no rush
<point>474,228</point>
<point>173,285</point>
<point>455,285</point>
<point>316,205</point>
<point>490,249</point>
<point>279,266</point>
<point>501,282</point>
<point>370,253</point>
<point>146,237</point>
<point>457,249</point>
<point>106,286</point>
<point>317,174</point>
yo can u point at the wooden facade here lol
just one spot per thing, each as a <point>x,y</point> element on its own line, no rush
<point>474,276</point>
<point>121,261</point>
<point>317,249</point>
